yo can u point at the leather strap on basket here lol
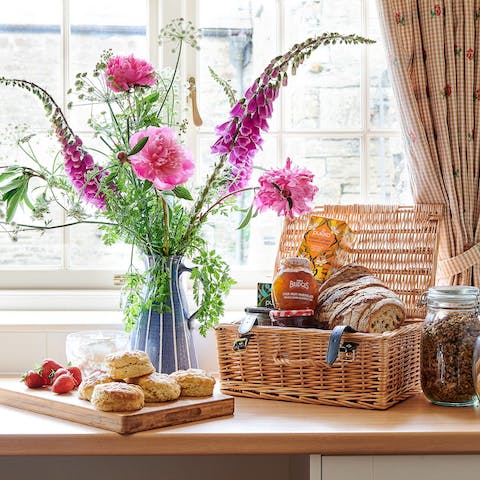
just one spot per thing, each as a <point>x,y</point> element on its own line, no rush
<point>334,342</point>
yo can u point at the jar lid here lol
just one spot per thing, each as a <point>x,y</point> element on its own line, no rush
<point>295,262</point>
<point>257,309</point>
<point>306,312</point>
<point>454,293</point>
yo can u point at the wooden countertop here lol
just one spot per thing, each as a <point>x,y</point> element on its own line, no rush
<point>260,427</point>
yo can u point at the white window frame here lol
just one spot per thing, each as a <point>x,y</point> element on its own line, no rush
<point>94,289</point>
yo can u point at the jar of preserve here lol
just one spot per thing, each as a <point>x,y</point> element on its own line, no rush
<point>294,287</point>
<point>293,318</point>
<point>449,332</point>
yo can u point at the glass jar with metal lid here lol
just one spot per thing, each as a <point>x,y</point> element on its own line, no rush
<point>449,332</point>
<point>294,287</point>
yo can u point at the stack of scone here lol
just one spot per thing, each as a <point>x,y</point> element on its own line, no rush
<point>130,381</point>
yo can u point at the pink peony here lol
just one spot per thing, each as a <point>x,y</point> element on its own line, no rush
<point>287,191</point>
<point>123,73</point>
<point>163,161</point>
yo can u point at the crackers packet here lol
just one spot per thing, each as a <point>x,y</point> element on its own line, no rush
<point>325,243</point>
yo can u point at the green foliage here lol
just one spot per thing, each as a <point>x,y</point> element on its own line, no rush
<point>134,301</point>
<point>226,85</point>
<point>211,283</point>
<point>14,189</point>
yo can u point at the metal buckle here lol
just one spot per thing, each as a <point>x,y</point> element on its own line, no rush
<point>347,351</point>
<point>241,343</point>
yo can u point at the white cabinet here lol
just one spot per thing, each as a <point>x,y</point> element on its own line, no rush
<point>395,467</point>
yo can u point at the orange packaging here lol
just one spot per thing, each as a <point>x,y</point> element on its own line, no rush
<point>324,243</point>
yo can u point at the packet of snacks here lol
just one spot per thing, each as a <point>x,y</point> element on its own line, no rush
<point>325,243</point>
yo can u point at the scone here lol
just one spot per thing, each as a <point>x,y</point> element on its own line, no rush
<point>117,397</point>
<point>129,364</point>
<point>85,389</point>
<point>194,382</point>
<point>157,387</point>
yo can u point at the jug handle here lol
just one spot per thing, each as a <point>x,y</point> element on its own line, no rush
<point>182,269</point>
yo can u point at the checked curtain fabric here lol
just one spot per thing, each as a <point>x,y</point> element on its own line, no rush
<point>433,49</point>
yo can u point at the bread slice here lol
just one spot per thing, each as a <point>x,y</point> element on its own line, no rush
<point>384,316</point>
<point>342,290</point>
<point>345,274</point>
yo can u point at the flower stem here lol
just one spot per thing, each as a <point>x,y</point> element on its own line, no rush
<point>221,199</point>
<point>166,221</point>
<point>195,213</point>
<point>45,98</point>
<point>26,227</point>
<point>173,77</point>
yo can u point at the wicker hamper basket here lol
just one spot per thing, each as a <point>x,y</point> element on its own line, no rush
<point>375,371</point>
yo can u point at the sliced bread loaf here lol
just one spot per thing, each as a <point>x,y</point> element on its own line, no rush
<point>356,298</point>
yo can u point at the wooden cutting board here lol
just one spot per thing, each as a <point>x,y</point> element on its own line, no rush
<point>154,415</point>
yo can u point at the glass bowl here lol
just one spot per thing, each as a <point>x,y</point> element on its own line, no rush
<point>87,349</point>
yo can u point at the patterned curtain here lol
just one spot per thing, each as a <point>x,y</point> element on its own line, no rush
<point>433,49</point>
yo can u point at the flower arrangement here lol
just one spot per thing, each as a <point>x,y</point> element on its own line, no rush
<point>140,191</point>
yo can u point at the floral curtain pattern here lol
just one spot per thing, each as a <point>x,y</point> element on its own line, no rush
<point>433,51</point>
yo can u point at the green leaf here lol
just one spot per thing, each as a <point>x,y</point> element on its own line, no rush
<point>13,185</point>
<point>147,184</point>
<point>14,201</point>
<point>138,147</point>
<point>8,195</point>
<point>152,98</point>
<point>181,191</point>
<point>109,178</point>
<point>247,218</point>
<point>9,172</point>
<point>28,202</point>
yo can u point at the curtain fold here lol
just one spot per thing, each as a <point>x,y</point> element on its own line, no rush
<point>433,50</point>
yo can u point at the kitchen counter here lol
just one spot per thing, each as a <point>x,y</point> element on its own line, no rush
<point>260,427</point>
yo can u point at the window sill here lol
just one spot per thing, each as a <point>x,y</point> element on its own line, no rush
<point>94,300</point>
<point>26,337</point>
<point>59,320</point>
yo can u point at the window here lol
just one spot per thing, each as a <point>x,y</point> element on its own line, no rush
<point>49,46</point>
<point>337,116</point>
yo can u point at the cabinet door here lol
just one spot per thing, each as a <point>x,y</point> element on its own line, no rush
<point>399,467</point>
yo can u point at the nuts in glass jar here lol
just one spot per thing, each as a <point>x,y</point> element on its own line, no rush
<point>446,356</point>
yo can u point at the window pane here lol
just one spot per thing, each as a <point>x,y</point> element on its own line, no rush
<point>238,41</point>
<point>387,174</point>
<point>30,48</point>
<point>101,25</point>
<point>325,93</point>
<point>335,163</point>
<point>383,109</point>
<point>97,26</point>
<point>255,245</point>
<point>32,250</point>
<point>89,252</point>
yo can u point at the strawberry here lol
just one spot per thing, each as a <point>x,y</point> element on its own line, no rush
<point>76,374</point>
<point>47,370</point>
<point>63,384</point>
<point>60,371</point>
<point>33,379</point>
